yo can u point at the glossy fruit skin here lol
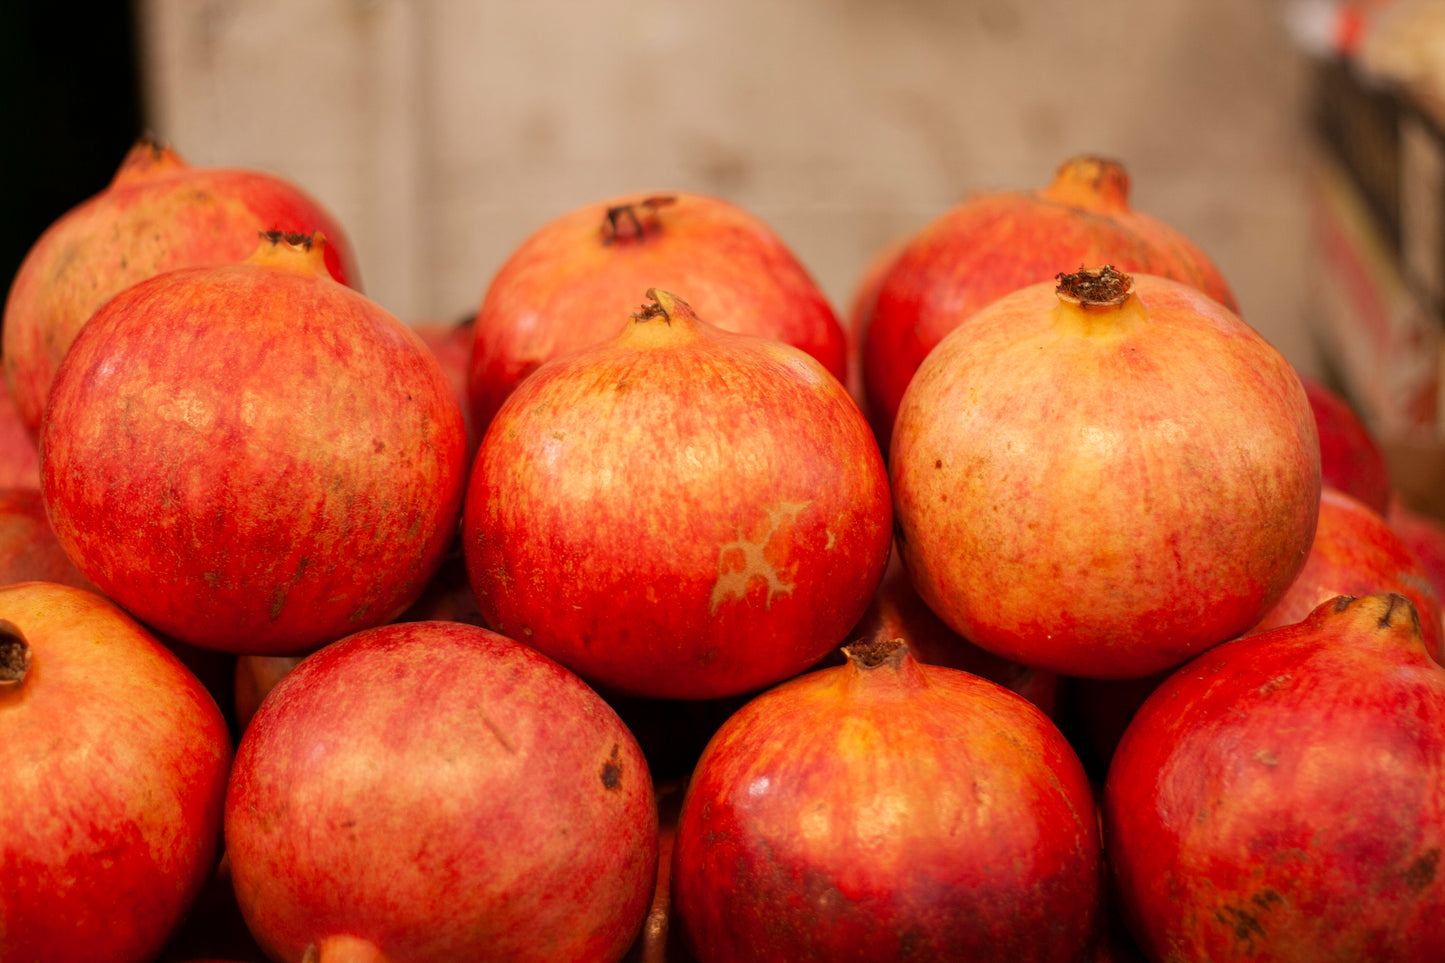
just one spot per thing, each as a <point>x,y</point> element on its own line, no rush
<point>252,457</point>
<point>1282,797</point>
<point>996,242</point>
<point>1104,492</point>
<point>1356,552</point>
<point>438,792</point>
<point>903,811</point>
<point>679,513</point>
<point>113,770</point>
<point>1350,457</point>
<point>157,214</point>
<point>568,285</point>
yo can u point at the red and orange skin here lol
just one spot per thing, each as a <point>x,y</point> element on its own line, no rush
<point>996,242</point>
<point>1282,796</point>
<point>158,214</point>
<point>570,284</point>
<point>886,810</point>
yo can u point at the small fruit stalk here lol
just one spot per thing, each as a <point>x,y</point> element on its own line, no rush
<point>253,457</point>
<point>680,512</point>
<point>566,286</point>
<point>1282,796</point>
<point>1104,475</point>
<point>882,810</point>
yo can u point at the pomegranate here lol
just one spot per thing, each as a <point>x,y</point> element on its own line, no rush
<point>680,512</point>
<point>29,551</point>
<point>1356,552</point>
<point>252,457</point>
<point>1105,476</point>
<point>158,214</point>
<point>897,612</point>
<point>996,242</point>
<point>433,791</point>
<point>887,810</point>
<point>113,770</point>
<point>19,457</point>
<point>1350,457</point>
<point>565,287</point>
<point>451,342</point>
<point>1282,796</point>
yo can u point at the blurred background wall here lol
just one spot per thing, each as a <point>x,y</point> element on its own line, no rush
<point>443,132</point>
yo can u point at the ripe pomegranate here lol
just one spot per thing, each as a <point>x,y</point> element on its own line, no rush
<point>1424,535</point>
<point>897,612</point>
<point>1350,457</point>
<point>567,285</point>
<point>451,342</point>
<point>679,512</point>
<point>887,810</point>
<point>158,214</point>
<point>29,551</point>
<point>113,770</point>
<point>1282,796</point>
<point>252,457</point>
<point>1356,552</point>
<point>996,242</point>
<point>1105,476</point>
<point>433,791</point>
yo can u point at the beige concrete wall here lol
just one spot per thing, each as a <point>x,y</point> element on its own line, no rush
<point>442,132</point>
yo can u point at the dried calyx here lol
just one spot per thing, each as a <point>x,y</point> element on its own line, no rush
<point>1103,286</point>
<point>872,653</point>
<point>293,238</point>
<point>14,654</point>
<point>634,220</point>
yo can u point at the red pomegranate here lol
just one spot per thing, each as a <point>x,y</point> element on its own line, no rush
<point>433,791</point>
<point>568,284</point>
<point>253,457</point>
<point>680,512</point>
<point>996,242</point>
<point>1104,476</point>
<point>1350,457</point>
<point>897,612</point>
<point>158,214</point>
<point>1356,552</point>
<point>1282,796</point>
<point>113,771</point>
<point>29,551</point>
<point>887,810</point>
<point>1424,535</point>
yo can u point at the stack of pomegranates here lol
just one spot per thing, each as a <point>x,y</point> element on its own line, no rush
<point>1038,610</point>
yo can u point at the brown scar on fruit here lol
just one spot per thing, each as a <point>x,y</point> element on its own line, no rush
<point>294,238</point>
<point>1089,288</point>
<point>1422,871</point>
<point>612,770</point>
<point>633,220</point>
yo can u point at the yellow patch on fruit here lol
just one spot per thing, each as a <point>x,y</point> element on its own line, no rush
<point>732,580</point>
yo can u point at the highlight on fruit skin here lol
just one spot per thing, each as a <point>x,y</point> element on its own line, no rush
<point>1104,486</point>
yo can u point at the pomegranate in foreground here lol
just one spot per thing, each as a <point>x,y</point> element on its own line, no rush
<point>1104,476</point>
<point>113,773</point>
<point>1282,796</point>
<point>158,214</point>
<point>994,243</point>
<point>252,457</point>
<point>567,285</point>
<point>887,810</point>
<point>433,791</point>
<point>680,512</point>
